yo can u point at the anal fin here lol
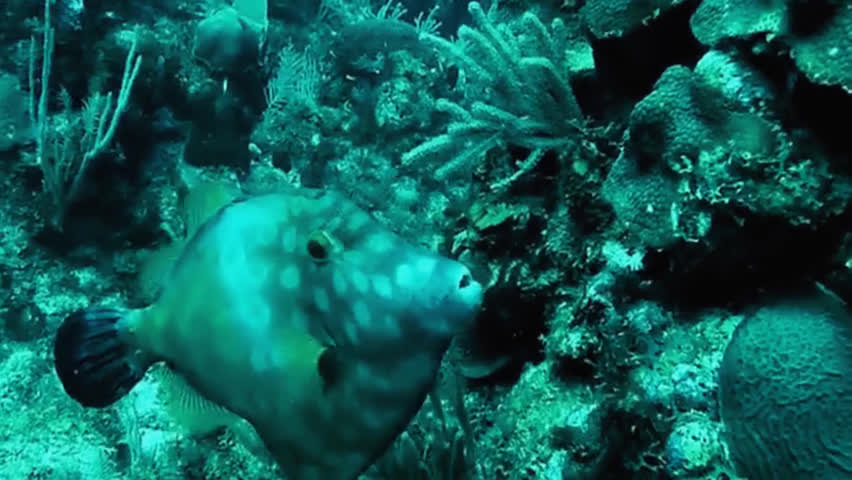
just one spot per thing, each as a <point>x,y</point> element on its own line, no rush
<point>191,410</point>
<point>200,416</point>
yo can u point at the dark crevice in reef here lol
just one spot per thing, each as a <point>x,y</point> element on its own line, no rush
<point>804,105</point>
<point>810,16</point>
<point>508,332</point>
<point>746,262</point>
<point>627,67</point>
<point>817,108</point>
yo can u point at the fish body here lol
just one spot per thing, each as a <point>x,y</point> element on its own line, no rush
<point>297,312</point>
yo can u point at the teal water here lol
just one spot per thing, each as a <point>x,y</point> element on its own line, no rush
<point>654,194</point>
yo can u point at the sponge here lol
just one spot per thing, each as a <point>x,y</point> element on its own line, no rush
<point>226,42</point>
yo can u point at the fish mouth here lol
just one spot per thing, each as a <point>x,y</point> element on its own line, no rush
<point>470,292</point>
<point>465,302</point>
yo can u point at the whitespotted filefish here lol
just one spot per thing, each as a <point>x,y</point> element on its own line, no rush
<point>296,312</point>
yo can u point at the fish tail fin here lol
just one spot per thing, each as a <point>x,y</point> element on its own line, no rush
<point>92,358</point>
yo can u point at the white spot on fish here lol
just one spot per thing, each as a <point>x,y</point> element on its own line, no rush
<point>294,208</point>
<point>404,276</point>
<point>426,265</point>
<point>232,260</point>
<point>258,363</point>
<point>276,360</point>
<point>358,219</point>
<point>338,282</point>
<point>298,320</point>
<point>288,240</point>
<point>324,202</point>
<point>379,242</point>
<point>263,316</point>
<point>382,286</point>
<point>369,376</point>
<point>359,281</point>
<point>391,326</point>
<point>351,331</point>
<point>374,420</point>
<point>321,300</point>
<point>362,313</point>
<point>265,233</point>
<point>363,373</point>
<point>252,313</point>
<point>290,277</point>
<point>260,274</point>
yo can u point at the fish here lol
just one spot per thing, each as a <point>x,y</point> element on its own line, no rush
<point>296,312</point>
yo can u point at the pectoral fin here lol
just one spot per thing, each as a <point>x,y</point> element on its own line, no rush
<point>330,368</point>
<point>303,355</point>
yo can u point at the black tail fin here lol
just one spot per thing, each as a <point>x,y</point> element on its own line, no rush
<point>94,364</point>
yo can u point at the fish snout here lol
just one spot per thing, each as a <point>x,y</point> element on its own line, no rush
<point>442,298</point>
<point>464,298</point>
<point>469,291</point>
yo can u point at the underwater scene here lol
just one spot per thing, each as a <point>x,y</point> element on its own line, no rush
<point>426,240</point>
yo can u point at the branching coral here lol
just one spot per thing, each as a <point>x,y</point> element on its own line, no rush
<point>517,93</point>
<point>66,143</point>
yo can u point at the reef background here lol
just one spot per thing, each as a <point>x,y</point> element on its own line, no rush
<point>631,178</point>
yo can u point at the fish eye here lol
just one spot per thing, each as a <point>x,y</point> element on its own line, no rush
<point>319,246</point>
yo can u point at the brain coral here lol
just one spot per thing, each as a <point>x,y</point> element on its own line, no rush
<point>786,391</point>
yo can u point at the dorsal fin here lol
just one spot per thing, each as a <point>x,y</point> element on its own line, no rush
<point>155,267</point>
<point>201,203</point>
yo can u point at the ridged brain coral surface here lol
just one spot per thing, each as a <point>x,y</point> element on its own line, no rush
<point>786,392</point>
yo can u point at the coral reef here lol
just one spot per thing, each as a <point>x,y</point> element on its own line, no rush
<point>657,195</point>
